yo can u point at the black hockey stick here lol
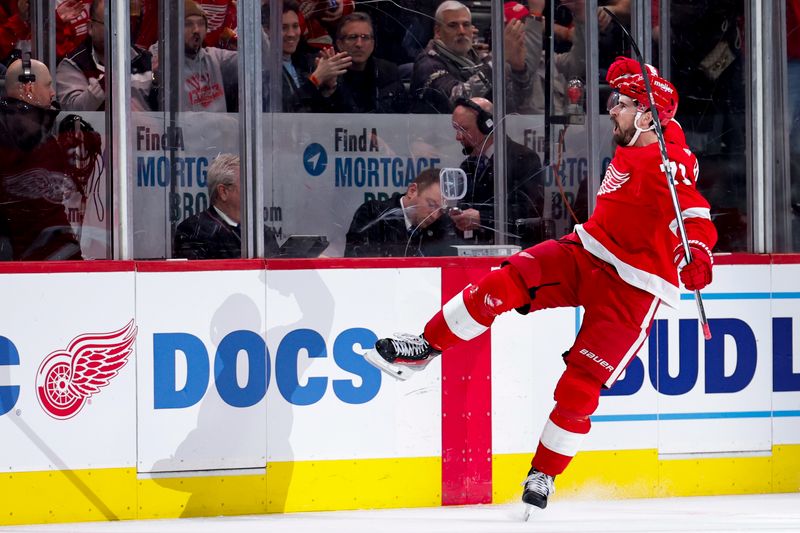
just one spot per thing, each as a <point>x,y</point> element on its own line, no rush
<point>666,167</point>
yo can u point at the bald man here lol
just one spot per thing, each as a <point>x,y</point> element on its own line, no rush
<point>34,176</point>
<point>474,127</point>
<point>39,93</point>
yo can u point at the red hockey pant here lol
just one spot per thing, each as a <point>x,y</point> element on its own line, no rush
<point>552,274</point>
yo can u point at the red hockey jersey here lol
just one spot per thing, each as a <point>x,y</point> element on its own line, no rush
<point>634,227</point>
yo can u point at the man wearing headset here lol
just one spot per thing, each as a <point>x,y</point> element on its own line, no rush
<point>472,120</point>
<point>34,177</point>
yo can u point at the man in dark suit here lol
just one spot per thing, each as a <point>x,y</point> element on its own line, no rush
<point>216,232</point>
<point>409,224</point>
<point>472,120</point>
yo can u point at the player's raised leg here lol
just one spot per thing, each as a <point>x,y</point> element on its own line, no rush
<point>467,315</point>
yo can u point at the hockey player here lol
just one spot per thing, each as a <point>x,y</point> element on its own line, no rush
<point>621,69</point>
<point>619,265</point>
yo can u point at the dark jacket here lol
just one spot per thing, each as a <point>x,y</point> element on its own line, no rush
<point>379,230</point>
<point>377,89</point>
<point>206,236</point>
<point>305,97</point>
<point>438,81</point>
<point>524,186</point>
<point>35,179</point>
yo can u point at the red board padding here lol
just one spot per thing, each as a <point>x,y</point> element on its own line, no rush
<point>466,408</point>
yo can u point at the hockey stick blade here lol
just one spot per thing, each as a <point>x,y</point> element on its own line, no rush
<point>666,167</point>
<point>401,372</point>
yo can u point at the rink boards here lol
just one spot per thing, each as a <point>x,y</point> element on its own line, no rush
<point>245,392</point>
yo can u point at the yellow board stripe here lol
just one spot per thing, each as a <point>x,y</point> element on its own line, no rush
<point>642,474</point>
<point>355,484</point>
<point>68,496</point>
<point>118,494</point>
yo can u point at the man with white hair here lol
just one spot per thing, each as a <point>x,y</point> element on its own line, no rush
<point>216,232</point>
<point>450,68</point>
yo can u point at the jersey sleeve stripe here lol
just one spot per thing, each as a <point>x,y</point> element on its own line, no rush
<point>692,212</point>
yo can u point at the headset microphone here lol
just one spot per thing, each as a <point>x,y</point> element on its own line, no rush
<point>485,122</point>
<point>27,75</point>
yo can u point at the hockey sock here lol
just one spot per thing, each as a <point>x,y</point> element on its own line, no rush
<point>471,312</point>
<point>577,395</point>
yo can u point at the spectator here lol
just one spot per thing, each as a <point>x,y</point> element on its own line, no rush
<point>370,85</point>
<point>321,18</point>
<point>472,120</point>
<point>569,65</point>
<point>305,89</point>
<point>80,77</point>
<point>409,224</point>
<point>211,75</point>
<point>221,23</point>
<point>34,178</point>
<point>221,16</point>
<point>450,68</point>
<point>216,232</point>
<point>72,25</point>
<point>13,27</point>
<point>406,27</point>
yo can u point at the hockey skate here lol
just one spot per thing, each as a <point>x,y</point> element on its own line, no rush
<point>536,488</point>
<point>401,355</point>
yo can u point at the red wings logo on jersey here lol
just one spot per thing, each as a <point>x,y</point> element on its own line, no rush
<point>67,378</point>
<point>613,180</point>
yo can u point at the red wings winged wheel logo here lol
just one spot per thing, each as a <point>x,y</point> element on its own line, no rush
<point>67,378</point>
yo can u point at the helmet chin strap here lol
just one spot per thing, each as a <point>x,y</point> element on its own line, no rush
<point>639,130</point>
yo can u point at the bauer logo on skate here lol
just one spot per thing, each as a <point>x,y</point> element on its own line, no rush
<point>68,378</point>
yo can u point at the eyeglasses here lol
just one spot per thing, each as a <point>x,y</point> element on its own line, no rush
<point>98,22</point>
<point>353,37</point>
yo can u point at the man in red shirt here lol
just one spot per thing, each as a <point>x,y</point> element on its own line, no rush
<point>619,265</point>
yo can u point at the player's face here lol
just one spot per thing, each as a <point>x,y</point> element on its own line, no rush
<point>427,205</point>
<point>357,40</point>
<point>194,33</point>
<point>290,28</point>
<point>465,122</point>
<point>455,30</point>
<point>622,110</point>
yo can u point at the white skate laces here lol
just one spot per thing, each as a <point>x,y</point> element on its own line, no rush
<point>540,483</point>
<point>401,355</point>
<point>407,346</point>
<point>537,487</point>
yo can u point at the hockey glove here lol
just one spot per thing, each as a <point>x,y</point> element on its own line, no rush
<point>697,274</point>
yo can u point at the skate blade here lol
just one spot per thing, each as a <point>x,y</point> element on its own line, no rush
<point>401,372</point>
<point>530,512</point>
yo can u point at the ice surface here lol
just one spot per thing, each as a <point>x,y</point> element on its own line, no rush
<point>721,514</point>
